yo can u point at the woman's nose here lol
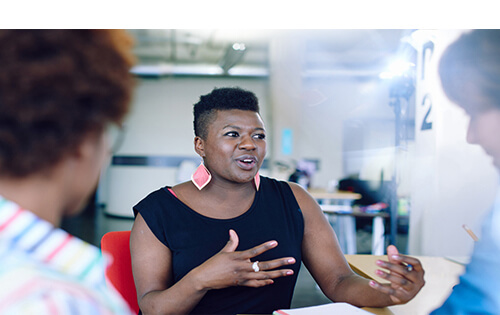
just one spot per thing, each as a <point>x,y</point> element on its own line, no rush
<point>247,143</point>
<point>471,134</point>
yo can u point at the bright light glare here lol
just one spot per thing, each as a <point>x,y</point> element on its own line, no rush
<point>385,75</point>
<point>397,69</point>
<point>239,46</point>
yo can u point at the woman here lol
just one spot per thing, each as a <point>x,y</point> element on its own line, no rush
<point>60,93</point>
<point>470,75</point>
<point>183,261</point>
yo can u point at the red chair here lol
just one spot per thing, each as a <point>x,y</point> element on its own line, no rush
<point>119,273</point>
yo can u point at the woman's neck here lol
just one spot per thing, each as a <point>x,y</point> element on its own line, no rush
<point>216,200</point>
<point>37,194</point>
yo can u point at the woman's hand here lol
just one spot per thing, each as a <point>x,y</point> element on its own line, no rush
<point>406,276</point>
<point>230,268</point>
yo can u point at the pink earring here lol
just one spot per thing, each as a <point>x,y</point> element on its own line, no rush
<point>256,181</point>
<point>201,177</point>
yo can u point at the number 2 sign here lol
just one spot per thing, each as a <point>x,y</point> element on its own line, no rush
<point>426,122</point>
<point>427,52</point>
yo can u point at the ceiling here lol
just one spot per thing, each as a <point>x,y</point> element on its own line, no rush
<point>200,51</point>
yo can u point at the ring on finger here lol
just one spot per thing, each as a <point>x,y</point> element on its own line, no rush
<point>255,266</point>
<point>409,268</point>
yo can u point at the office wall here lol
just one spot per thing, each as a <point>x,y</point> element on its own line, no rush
<point>317,109</point>
<point>352,130</point>
<point>453,182</point>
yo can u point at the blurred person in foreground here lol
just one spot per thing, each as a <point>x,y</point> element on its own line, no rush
<point>61,92</point>
<point>231,241</point>
<point>470,75</point>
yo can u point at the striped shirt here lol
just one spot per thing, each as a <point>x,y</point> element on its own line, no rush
<point>44,270</point>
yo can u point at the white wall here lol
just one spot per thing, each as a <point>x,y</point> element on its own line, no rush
<point>361,104</point>
<point>316,109</point>
<point>453,182</point>
<point>161,122</point>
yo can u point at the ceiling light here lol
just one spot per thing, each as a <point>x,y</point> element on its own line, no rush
<point>239,46</point>
<point>234,54</point>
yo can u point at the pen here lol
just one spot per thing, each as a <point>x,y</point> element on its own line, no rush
<point>474,237</point>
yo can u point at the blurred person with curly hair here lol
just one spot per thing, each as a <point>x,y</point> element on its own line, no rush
<point>61,91</point>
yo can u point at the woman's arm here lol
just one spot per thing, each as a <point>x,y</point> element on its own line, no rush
<point>325,261</point>
<point>152,269</point>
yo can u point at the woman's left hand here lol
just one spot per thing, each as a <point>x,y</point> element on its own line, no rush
<point>405,274</point>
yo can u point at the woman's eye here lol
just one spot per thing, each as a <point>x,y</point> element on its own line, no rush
<point>260,136</point>
<point>232,134</point>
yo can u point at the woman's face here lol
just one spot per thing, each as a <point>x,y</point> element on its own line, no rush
<point>93,154</point>
<point>235,146</point>
<point>484,129</point>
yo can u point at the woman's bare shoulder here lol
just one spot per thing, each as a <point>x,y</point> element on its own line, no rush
<point>185,186</point>
<point>306,202</point>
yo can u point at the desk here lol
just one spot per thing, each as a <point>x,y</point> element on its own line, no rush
<point>335,201</point>
<point>441,275</point>
<point>339,204</point>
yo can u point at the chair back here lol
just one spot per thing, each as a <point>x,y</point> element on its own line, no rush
<point>119,272</point>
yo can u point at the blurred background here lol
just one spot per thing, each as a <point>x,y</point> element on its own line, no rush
<point>358,110</point>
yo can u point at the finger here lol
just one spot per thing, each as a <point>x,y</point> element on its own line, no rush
<point>233,242</point>
<point>399,294</point>
<point>267,275</point>
<point>273,274</point>
<point>387,289</point>
<point>255,283</point>
<point>257,250</point>
<point>392,251</point>
<point>276,263</point>
<point>395,279</point>
<point>393,255</point>
<point>407,260</point>
<point>398,268</point>
<point>262,278</point>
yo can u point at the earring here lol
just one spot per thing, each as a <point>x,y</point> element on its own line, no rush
<point>256,181</point>
<point>201,177</point>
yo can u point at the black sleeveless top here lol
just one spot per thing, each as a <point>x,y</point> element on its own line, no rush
<point>194,238</point>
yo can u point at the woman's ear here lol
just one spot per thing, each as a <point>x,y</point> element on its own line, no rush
<point>91,145</point>
<point>199,146</point>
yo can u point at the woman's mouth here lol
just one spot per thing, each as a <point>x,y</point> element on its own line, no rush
<point>246,163</point>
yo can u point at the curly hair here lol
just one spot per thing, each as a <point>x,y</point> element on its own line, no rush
<point>221,99</point>
<point>56,88</point>
<point>470,69</point>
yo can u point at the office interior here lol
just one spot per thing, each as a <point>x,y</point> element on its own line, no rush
<point>359,110</point>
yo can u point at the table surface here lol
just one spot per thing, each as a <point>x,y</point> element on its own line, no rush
<point>321,194</point>
<point>441,274</point>
<point>357,214</point>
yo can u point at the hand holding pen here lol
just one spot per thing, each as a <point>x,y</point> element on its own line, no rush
<point>405,274</point>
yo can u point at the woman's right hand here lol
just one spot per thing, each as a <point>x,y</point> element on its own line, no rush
<point>231,268</point>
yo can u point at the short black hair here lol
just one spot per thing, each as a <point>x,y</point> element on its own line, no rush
<point>470,69</point>
<point>221,99</point>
